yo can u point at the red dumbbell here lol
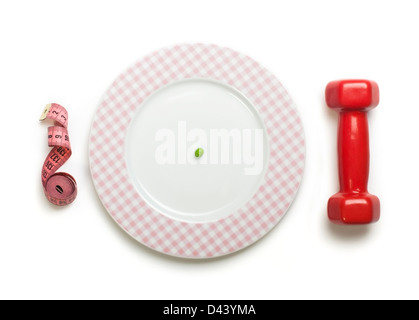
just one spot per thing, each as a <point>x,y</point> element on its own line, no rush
<point>353,99</point>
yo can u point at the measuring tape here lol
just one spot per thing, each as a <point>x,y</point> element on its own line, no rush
<point>59,188</point>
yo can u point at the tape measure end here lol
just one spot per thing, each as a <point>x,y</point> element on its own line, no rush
<point>45,112</point>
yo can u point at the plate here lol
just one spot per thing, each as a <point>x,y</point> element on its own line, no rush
<point>196,151</point>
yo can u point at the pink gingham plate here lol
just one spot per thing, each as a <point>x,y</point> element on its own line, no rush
<point>149,225</point>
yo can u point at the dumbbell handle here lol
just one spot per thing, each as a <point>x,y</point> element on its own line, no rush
<point>353,151</point>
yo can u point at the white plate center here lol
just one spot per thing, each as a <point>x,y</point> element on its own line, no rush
<point>176,120</point>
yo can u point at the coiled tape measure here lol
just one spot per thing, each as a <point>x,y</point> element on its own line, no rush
<point>59,188</point>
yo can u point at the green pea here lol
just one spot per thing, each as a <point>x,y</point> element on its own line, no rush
<point>199,152</point>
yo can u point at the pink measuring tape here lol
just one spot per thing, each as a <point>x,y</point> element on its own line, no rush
<point>59,188</point>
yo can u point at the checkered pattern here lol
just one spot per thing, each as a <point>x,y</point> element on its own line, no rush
<point>241,228</point>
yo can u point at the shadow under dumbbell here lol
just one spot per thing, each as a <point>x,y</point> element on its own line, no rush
<point>347,232</point>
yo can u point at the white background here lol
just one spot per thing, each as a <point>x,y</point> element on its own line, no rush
<point>70,52</point>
